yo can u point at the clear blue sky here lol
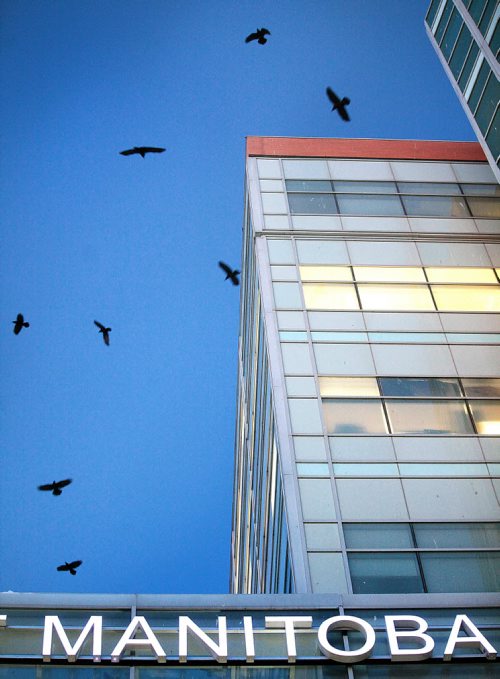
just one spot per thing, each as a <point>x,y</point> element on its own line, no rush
<point>146,427</point>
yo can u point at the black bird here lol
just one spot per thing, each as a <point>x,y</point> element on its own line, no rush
<point>19,324</point>
<point>105,332</point>
<point>55,486</point>
<point>142,150</point>
<point>230,273</point>
<point>338,104</point>
<point>71,567</point>
<point>259,35</point>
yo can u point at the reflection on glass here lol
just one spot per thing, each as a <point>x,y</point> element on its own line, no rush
<point>365,469</point>
<point>428,417</point>
<point>348,386</point>
<point>408,337</point>
<point>326,273</point>
<point>378,536</point>
<point>364,187</point>
<point>322,536</point>
<point>312,204</point>
<point>486,416</point>
<point>484,207</point>
<point>314,185</point>
<point>473,338</point>
<point>420,386</point>
<point>440,469</point>
<point>312,469</point>
<point>435,206</point>
<point>363,204</point>
<point>466,298</point>
<point>389,274</point>
<point>293,336</point>
<point>379,573</point>
<point>464,572</point>
<point>475,387</point>
<point>481,189</point>
<point>395,298</point>
<point>430,188</point>
<point>454,274</point>
<point>330,297</point>
<point>457,535</point>
<point>349,337</point>
<point>345,416</point>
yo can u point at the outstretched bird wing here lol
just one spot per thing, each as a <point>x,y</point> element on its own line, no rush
<point>252,36</point>
<point>343,113</point>
<point>46,486</point>
<point>264,31</point>
<point>100,326</point>
<point>332,96</point>
<point>151,149</point>
<point>75,564</point>
<point>63,483</point>
<point>227,269</point>
<point>64,567</point>
<point>129,152</point>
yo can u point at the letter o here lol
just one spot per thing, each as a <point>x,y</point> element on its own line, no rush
<point>346,622</point>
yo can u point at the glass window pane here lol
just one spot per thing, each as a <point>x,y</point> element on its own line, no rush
<point>477,90</point>
<point>312,469</point>
<point>349,337</point>
<point>428,417</point>
<point>322,536</point>
<point>473,338</point>
<point>365,469</point>
<point>431,12</point>
<point>389,274</point>
<point>330,297</point>
<point>457,535</point>
<point>300,386</point>
<point>475,387</point>
<point>395,298</point>
<point>385,573</point>
<point>312,203</point>
<point>293,336</point>
<point>287,295</point>
<point>447,274</point>
<point>451,33</point>
<point>481,189</point>
<point>464,572</point>
<point>486,416</point>
<point>451,470</point>
<point>280,251</point>
<point>407,337</point>
<point>326,273</point>
<point>271,185</point>
<point>488,103</point>
<point>317,499</point>
<point>362,204</point>
<point>493,136</point>
<point>378,536</point>
<point>487,14</point>
<point>419,386</point>
<point>364,187</point>
<point>470,62</point>
<point>348,386</point>
<point>284,273</point>
<point>435,206</point>
<point>348,416</point>
<point>430,188</point>
<point>466,298</point>
<point>308,185</point>
<point>443,22</point>
<point>460,52</point>
<point>484,207</point>
<point>274,203</point>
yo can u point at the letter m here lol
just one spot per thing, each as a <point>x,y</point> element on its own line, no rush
<point>52,623</point>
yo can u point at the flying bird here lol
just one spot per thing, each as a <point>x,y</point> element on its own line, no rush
<point>19,324</point>
<point>230,273</point>
<point>71,567</point>
<point>259,35</point>
<point>338,104</point>
<point>55,486</point>
<point>142,150</point>
<point>105,332</point>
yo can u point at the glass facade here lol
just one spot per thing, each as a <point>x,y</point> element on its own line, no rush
<point>466,36</point>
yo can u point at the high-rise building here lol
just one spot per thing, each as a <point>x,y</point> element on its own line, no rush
<point>367,443</point>
<point>466,37</point>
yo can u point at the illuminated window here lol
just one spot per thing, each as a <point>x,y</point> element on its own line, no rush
<point>481,387</point>
<point>326,273</point>
<point>348,386</point>
<point>389,274</point>
<point>484,207</point>
<point>435,206</point>
<point>466,298</point>
<point>428,417</point>
<point>395,298</point>
<point>486,416</point>
<point>330,297</point>
<point>445,274</point>
<point>349,416</point>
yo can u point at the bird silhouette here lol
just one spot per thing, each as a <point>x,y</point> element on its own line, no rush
<point>232,274</point>
<point>259,35</point>
<point>71,567</point>
<point>105,332</point>
<point>55,486</point>
<point>19,324</point>
<point>142,150</point>
<point>338,104</point>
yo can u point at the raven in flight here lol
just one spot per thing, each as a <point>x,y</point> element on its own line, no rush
<point>105,332</point>
<point>259,35</point>
<point>19,324</point>
<point>71,567</point>
<point>338,104</point>
<point>142,150</point>
<point>55,486</point>
<point>230,273</point>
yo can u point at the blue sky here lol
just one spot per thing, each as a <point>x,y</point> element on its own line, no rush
<point>145,427</point>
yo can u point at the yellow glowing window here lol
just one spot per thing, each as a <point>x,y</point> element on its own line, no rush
<point>395,298</point>
<point>389,274</point>
<point>466,298</point>
<point>330,297</point>
<point>348,386</point>
<point>446,274</point>
<point>486,416</point>
<point>325,273</point>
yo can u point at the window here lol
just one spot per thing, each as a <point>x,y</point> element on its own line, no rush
<point>326,273</point>
<point>363,204</point>
<point>428,417</point>
<point>346,416</point>
<point>468,66</point>
<point>312,204</point>
<point>395,298</point>
<point>459,55</point>
<point>330,297</point>
<point>466,298</point>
